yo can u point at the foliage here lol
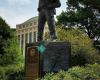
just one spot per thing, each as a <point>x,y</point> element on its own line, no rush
<point>83,14</point>
<point>12,54</point>
<point>48,76</point>
<point>90,72</point>
<point>5,34</point>
<point>12,72</point>
<point>5,31</point>
<point>9,49</point>
<point>11,59</point>
<point>82,50</point>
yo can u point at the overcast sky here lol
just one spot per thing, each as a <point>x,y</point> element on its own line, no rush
<point>18,11</point>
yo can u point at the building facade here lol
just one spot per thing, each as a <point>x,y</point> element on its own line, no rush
<point>27,32</point>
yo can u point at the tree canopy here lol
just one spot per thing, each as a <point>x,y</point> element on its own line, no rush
<point>83,14</point>
<point>9,49</point>
<point>5,31</point>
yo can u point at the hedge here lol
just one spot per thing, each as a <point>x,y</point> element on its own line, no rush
<point>12,72</point>
<point>89,72</point>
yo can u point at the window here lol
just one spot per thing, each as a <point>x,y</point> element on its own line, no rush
<point>19,27</point>
<point>22,41</point>
<point>19,39</point>
<point>26,25</point>
<point>30,37</point>
<point>30,24</point>
<point>23,26</point>
<point>34,37</point>
<point>34,23</point>
<point>26,38</point>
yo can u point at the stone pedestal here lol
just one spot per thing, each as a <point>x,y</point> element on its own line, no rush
<point>55,58</point>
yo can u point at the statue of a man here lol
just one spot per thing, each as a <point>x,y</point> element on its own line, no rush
<point>47,11</point>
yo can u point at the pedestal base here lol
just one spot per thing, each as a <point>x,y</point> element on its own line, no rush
<point>55,58</point>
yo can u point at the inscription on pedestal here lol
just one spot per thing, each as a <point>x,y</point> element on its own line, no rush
<point>56,56</point>
<point>31,63</point>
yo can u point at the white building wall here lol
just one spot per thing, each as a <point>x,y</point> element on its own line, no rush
<point>27,29</point>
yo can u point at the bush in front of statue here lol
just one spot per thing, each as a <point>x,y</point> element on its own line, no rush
<point>12,72</point>
<point>82,50</point>
<point>11,57</point>
<point>89,72</point>
<point>11,63</point>
<point>12,53</point>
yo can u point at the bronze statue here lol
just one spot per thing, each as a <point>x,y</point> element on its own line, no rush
<point>47,11</point>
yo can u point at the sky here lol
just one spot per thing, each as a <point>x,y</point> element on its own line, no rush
<point>17,11</point>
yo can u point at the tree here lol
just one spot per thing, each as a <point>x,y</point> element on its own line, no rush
<point>9,49</point>
<point>5,34</point>
<point>5,31</point>
<point>83,14</point>
<point>12,53</point>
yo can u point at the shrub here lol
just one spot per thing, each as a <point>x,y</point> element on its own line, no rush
<point>95,68</point>
<point>62,75</point>
<point>82,50</point>
<point>12,53</point>
<point>82,73</point>
<point>90,72</point>
<point>48,76</point>
<point>12,72</point>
